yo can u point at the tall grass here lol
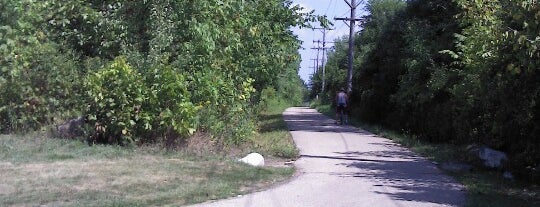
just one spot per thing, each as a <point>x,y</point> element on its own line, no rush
<point>274,138</point>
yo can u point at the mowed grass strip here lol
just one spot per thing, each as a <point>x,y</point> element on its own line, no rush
<point>37,170</point>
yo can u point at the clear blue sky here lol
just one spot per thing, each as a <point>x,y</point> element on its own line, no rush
<point>330,8</point>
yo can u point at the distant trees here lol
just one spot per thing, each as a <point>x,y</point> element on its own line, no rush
<point>449,71</point>
<point>145,70</point>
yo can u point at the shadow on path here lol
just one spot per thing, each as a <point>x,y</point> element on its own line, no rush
<point>312,121</point>
<point>395,171</point>
<point>346,166</point>
<point>409,180</point>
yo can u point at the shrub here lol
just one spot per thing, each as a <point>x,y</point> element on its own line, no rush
<point>225,105</point>
<point>267,95</point>
<point>37,82</point>
<point>126,106</point>
<point>115,98</point>
<point>169,106</point>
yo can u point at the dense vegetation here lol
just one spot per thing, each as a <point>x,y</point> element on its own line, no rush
<point>462,72</point>
<point>146,71</point>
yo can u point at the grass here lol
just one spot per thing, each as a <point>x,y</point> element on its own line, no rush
<point>485,188</point>
<point>37,170</point>
<point>274,139</point>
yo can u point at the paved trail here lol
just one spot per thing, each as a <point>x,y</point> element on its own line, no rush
<point>346,166</point>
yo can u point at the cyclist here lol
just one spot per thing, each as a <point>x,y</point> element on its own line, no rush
<point>342,100</point>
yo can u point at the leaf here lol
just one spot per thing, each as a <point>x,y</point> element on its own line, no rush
<point>191,131</point>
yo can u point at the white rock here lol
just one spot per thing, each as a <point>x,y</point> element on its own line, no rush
<point>253,159</point>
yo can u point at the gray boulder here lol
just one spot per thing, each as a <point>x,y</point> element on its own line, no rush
<point>71,129</point>
<point>490,158</point>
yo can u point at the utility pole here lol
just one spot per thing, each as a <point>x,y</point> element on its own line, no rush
<point>316,60</point>
<point>314,69</point>
<point>324,30</point>
<point>315,65</point>
<point>352,21</point>
<point>318,48</point>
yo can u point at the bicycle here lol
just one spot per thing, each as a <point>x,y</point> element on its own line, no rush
<point>342,116</point>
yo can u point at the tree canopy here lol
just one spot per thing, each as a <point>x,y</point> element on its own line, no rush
<point>448,71</point>
<point>144,70</point>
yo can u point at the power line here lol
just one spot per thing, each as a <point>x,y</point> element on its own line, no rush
<point>316,59</point>
<point>323,48</point>
<point>328,8</point>
<point>335,6</point>
<point>353,5</point>
<point>333,33</point>
<point>315,64</point>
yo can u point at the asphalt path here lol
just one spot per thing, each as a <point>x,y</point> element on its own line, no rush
<point>347,166</point>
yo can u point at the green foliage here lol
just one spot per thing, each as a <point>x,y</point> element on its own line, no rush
<point>225,106</point>
<point>274,138</point>
<point>38,81</point>
<point>499,53</point>
<point>188,66</point>
<point>267,96</point>
<point>448,71</point>
<point>126,106</point>
<point>169,105</point>
<point>115,98</point>
<point>290,87</point>
<point>227,84</point>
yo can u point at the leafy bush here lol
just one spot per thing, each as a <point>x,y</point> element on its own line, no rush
<point>225,106</point>
<point>267,95</point>
<point>114,102</point>
<point>169,106</point>
<point>126,106</point>
<point>37,83</point>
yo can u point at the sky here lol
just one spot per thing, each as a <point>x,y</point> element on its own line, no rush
<point>330,8</point>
